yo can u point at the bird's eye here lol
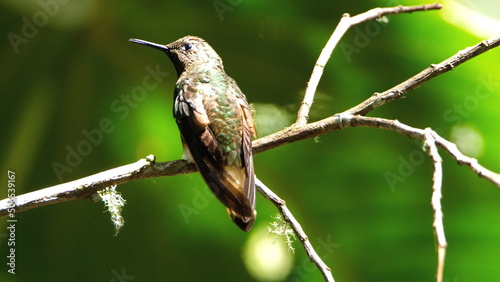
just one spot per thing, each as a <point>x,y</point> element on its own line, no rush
<point>187,46</point>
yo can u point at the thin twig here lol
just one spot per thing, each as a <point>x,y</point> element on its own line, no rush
<point>297,228</point>
<point>462,159</point>
<point>430,143</point>
<point>398,91</point>
<point>317,72</point>
<point>345,23</point>
<point>412,132</point>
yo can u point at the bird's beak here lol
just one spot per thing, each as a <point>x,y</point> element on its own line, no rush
<point>150,44</point>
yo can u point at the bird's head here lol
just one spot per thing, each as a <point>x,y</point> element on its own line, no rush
<point>187,52</point>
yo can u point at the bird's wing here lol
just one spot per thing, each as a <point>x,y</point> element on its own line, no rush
<point>232,184</point>
<point>248,132</point>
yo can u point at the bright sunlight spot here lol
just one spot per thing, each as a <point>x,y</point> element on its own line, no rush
<point>468,140</point>
<point>267,257</point>
<point>471,16</point>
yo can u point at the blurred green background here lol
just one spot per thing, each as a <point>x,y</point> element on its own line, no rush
<point>362,195</point>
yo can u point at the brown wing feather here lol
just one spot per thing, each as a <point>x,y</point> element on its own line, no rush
<point>245,220</point>
<point>233,186</point>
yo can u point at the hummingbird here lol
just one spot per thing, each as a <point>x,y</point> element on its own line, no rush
<point>215,123</point>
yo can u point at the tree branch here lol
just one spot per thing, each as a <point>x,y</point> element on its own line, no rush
<point>398,91</point>
<point>345,23</point>
<point>430,143</point>
<point>416,133</point>
<point>297,228</point>
<point>86,187</point>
